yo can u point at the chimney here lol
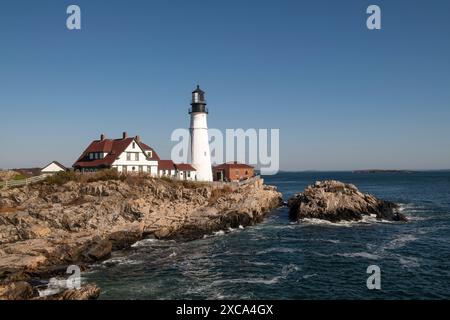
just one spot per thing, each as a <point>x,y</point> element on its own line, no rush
<point>102,137</point>
<point>138,139</point>
<point>124,135</point>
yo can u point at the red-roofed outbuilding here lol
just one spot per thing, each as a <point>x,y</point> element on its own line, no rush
<point>233,171</point>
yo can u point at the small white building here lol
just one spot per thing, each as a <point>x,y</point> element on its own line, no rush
<point>127,155</point>
<point>166,168</point>
<point>52,168</point>
<point>181,171</point>
<point>186,172</point>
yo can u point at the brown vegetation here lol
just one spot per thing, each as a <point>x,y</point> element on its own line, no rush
<point>8,209</point>
<point>218,193</point>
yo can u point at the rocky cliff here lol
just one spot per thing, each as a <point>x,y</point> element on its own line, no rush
<point>335,201</point>
<point>46,227</point>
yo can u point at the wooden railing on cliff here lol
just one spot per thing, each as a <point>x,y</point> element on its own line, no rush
<point>22,182</point>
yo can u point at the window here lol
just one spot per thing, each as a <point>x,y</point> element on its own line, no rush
<point>189,174</point>
<point>134,145</point>
<point>91,156</point>
<point>149,154</point>
<point>141,169</point>
<point>124,169</point>
<point>136,156</point>
<point>133,169</point>
<point>128,156</point>
<point>149,169</point>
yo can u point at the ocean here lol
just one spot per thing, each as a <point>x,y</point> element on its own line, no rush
<point>278,259</point>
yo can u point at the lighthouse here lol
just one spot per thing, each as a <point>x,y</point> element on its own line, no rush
<point>199,148</point>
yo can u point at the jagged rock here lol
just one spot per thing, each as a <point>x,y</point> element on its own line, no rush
<point>87,292</point>
<point>335,201</point>
<point>125,236</point>
<point>99,250</point>
<point>16,291</point>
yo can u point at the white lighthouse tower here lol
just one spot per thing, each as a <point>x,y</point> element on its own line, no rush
<point>200,153</point>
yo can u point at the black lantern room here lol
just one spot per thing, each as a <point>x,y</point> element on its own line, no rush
<point>198,101</point>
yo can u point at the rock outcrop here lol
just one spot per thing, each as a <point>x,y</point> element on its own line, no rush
<point>87,292</point>
<point>44,228</point>
<point>336,201</point>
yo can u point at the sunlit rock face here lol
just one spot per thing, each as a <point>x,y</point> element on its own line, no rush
<point>336,201</point>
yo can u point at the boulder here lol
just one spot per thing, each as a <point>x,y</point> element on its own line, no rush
<point>16,291</point>
<point>336,201</point>
<point>98,250</point>
<point>87,292</point>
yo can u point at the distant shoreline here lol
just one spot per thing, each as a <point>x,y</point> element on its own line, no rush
<point>383,171</point>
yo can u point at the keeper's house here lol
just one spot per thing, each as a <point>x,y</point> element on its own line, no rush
<point>127,155</point>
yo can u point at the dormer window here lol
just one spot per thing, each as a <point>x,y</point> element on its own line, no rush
<point>149,154</point>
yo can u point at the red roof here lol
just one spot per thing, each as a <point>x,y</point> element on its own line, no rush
<point>184,167</point>
<point>147,148</point>
<point>232,165</point>
<point>170,165</point>
<point>113,148</point>
<point>166,165</point>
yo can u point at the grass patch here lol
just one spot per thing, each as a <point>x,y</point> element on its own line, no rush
<point>66,176</point>
<point>19,177</point>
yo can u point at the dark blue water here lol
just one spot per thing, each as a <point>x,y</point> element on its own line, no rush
<point>280,260</point>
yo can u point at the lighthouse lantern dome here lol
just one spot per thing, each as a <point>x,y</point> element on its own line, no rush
<point>198,101</point>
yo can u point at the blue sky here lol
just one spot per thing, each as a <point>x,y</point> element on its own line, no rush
<point>342,96</point>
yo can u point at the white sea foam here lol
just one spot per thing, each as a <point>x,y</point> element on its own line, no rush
<point>258,263</point>
<point>330,241</point>
<point>307,276</point>
<point>366,255</point>
<point>285,271</point>
<point>267,281</point>
<point>400,241</point>
<point>144,242</point>
<point>314,221</point>
<point>279,250</point>
<point>409,262</point>
<point>122,260</point>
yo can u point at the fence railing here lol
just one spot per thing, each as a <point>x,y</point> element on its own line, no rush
<point>22,182</point>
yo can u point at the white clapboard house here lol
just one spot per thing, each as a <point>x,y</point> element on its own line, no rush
<point>127,155</point>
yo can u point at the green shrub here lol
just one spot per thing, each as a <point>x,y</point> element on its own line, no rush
<point>61,178</point>
<point>103,175</point>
